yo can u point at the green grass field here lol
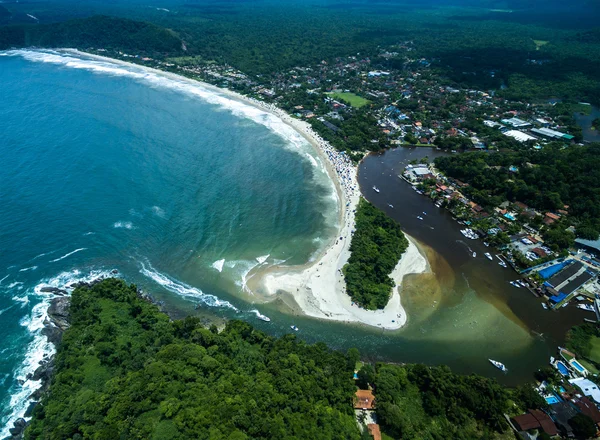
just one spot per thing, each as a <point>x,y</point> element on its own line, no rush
<point>351,98</point>
<point>539,43</point>
<point>595,351</point>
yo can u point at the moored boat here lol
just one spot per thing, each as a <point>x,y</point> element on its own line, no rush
<point>498,365</point>
<point>293,327</point>
<point>474,254</point>
<point>489,256</point>
<point>375,188</point>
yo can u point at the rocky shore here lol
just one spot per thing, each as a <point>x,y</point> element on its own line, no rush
<point>54,327</point>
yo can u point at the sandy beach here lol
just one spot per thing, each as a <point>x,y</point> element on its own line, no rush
<point>318,287</point>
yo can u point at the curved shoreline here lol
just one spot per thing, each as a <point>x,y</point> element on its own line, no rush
<point>317,287</point>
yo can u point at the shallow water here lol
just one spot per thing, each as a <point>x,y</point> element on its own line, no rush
<point>180,189</point>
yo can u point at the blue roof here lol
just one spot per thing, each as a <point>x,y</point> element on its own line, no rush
<point>558,298</point>
<point>551,270</point>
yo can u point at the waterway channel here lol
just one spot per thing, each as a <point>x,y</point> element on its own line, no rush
<point>461,314</point>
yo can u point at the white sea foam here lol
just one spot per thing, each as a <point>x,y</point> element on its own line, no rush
<point>218,265</point>
<point>262,259</point>
<point>158,211</point>
<point>39,348</point>
<point>4,278</point>
<point>68,255</point>
<point>312,160</point>
<point>42,255</point>
<point>125,225</point>
<point>6,309</point>
<point>183,289</point>
<point>28,269</point>
<point>14,284</point>
<point>89,233</point>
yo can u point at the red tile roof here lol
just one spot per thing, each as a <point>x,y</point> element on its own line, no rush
<point>364,399</point>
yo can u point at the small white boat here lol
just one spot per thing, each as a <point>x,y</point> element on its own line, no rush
<point>419,217</point>
<point>424,213</point>
<point>390,205</point>
<point>474,254</point>
<point>545,306</point>
<point>486,244</point>
<point>514,283</point>
<point>502,263</point>
<point>587,307</point>
<point>375,188</point>
<point>522,283</point>
<point>489,256</point>
<point>263,317</point>
<point>498,365</point>
<point>293,327</point>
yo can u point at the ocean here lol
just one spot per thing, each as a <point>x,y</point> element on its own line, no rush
<point>180,189</point>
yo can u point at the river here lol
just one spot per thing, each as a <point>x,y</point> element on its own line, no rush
<point>585,122</point>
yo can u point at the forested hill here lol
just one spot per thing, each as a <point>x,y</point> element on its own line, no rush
<point>98,32</point>
<point>124,370</point>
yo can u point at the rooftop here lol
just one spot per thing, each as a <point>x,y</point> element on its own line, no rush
<point>364,399</point>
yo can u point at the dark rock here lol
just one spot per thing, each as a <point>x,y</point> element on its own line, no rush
<point>30,408</point>
<point>44,372</point>
<point>114,271</point>
<point>19,427</point>
<point>54,290</point>
<point>54,334</point>
<point>37,394</point>
<point>58,312</point>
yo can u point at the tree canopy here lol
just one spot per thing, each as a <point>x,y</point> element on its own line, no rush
<point>124,370</point>
<point>377,245</point>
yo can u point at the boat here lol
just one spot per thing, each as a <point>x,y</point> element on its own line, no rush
<point>486,244</point>
<point>419,217</point>
<point>474,254</point>
<point>489,256</point>
<point>438,204</point>
<point>502,263</point>
<point>514,283</point>
<point>263,317</point>
<point>469,233</point>
<point>293,327</point>
<point>424,213</point>
<point>390,205</point>
<point>498,365</point>
<point>545,306</point>
<point>375,188</point>
<point>522,283</point>
<point>587,307</point>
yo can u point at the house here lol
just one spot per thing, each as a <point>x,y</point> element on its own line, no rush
<point>364,399</point>
<point>562,412</point>
<point>587,407</point>
<point>374,431</point>
<point>539,252</point>
<point>588,388</point>
<point>535,419</point>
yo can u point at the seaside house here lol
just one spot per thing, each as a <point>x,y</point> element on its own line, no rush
<point>364,399</point>
<point>535,419</point>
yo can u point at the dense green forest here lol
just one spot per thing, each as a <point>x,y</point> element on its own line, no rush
<point>419,402</point>
<point>537,56</point>
<point>584,340</point>
<point>98,31</point>
<point>546,180</point>
<point>124,370</point>
<point>377,245</point>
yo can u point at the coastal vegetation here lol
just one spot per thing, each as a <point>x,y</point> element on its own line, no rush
<point>596,124</point>
<point>377,245</point>
<point>125,370</point>
<point>417,402</point>
<point>584,340</point>
<point>551,180</point>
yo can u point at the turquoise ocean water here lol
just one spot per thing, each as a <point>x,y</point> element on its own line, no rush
<point>182,190</point>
